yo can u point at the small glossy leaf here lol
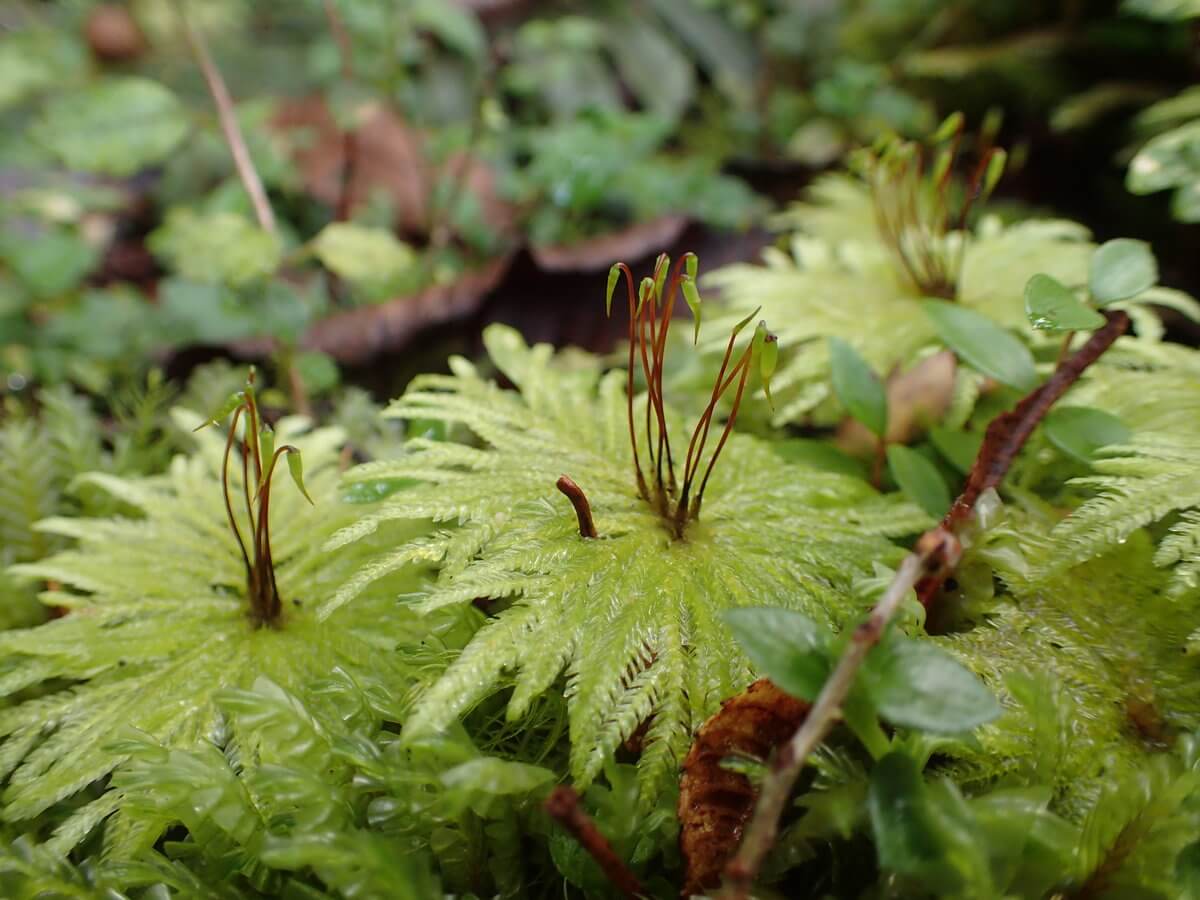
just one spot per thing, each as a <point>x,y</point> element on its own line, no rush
<point>983,344</point>
<point>916,684</point>
<point>1052,307</point>
<point>786,646</point>
<point>692,297</point>
<point>614,275</point>
<point>296,469</point>
<point>959,448</point>
<point>1080,431</point>
<point>1120,269</point>
<point>919,479</point>
<point>691,264</point>
<point>857,387</point>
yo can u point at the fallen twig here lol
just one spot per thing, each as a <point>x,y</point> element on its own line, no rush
<point>933,558</point>
<point>563,806</point>
<point>229,125</point>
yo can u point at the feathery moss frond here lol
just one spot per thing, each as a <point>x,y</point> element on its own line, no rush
<point>631,617</point>
<point>1154,477</point>
<point>839,279</point>
<point>1106,638</point>
<point>158,621</point>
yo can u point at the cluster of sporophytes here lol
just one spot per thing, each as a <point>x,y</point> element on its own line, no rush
<point>245,694</point>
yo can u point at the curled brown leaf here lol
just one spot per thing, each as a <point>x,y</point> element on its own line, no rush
<point>715,802</point>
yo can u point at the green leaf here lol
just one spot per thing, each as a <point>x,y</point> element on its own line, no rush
<point>925,831</point>
<point>788,647</point>
<point>296,470</point>
<point>919,479</point>
<point>1120,269</point>
<point>318,371</point>
<point>115,126</point>
<point>496,777</point>
<point>857,387</point>
<point>1080,431</point>
<point>916,684</point>
<point>48,263</point>
<point>1052,307</point>
<point>959,448</point>
<point>983,344</point>
<point>216,248</point>
<point>365,256</point>
<point>1169,160</point>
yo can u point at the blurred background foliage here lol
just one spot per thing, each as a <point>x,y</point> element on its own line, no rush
<point>409,150</point>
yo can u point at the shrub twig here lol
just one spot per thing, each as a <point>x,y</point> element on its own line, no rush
<point>563,807</point>
<point>934,557</point>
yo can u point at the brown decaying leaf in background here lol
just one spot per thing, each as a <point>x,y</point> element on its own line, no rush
<point>916,399</point>
<point>714,802</point>
<point>390,157</point>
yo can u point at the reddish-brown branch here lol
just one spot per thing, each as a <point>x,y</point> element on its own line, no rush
<point>579,500</point>
<point>1009,431</point>
<point>934,557</point>
<point>564,808</point>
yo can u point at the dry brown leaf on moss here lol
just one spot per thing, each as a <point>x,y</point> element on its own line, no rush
<point>715,802</point>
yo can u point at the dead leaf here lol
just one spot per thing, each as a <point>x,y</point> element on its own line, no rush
<point>388,156</point>
<point>357,335</point>
<point>916,400</point>
<point>715,803</point>
<point>598,253</point>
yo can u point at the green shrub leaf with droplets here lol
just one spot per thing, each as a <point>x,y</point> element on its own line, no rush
<point>632,617</point>
<point>157,621</point>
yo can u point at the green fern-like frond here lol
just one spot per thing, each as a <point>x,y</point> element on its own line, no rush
<point>1105,641</point>
<point>630,617</point>
<point>838,278</point>
<point>1154,477</point>
<point>157,622</point>
<point>1134,833</point>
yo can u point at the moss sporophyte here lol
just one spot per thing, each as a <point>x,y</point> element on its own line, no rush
<point>259,456</point>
